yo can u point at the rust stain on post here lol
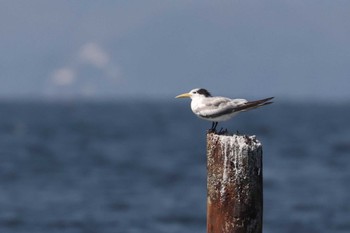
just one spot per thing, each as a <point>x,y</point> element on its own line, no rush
<point>234,183</point>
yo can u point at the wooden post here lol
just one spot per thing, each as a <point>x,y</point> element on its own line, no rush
<point>234,183</point>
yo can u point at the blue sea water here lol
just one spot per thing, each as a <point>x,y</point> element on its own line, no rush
<point>140,167</point>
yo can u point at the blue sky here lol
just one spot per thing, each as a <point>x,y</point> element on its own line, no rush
<point>158,48</point>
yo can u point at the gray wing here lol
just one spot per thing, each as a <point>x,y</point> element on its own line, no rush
<point>217,106</point>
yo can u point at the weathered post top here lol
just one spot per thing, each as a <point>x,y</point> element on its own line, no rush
<point>234,184</point>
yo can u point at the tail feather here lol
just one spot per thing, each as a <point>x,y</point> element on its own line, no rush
<point>254,104</point>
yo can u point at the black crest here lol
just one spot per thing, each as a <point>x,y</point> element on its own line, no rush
<point>204,92</point>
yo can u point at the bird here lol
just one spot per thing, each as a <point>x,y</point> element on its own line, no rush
<point>217,108</point>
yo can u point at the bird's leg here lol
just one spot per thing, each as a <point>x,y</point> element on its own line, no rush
<point>215,124</point>
<point>213,127</point>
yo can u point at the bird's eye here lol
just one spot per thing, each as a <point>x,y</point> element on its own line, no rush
<point>195,92</point>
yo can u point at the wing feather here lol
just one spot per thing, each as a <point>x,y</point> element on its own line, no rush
<point>214,107</point>
<point>217,106</point>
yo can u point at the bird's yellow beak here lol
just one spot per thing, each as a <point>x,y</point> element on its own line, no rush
<point>185,95</point>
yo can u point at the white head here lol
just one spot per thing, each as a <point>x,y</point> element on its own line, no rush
<point>198,92</point>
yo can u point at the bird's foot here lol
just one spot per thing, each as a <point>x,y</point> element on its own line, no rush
<point>223,131</point>
<point>213,127</point>
<point>211,130</point>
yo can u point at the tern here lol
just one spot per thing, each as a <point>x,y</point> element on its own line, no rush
<point>217,108</point>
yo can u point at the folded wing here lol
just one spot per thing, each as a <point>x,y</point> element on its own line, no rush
<point>218,106</point>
